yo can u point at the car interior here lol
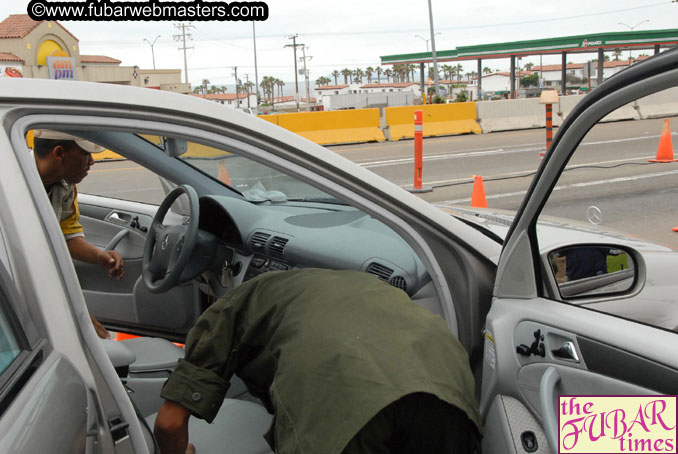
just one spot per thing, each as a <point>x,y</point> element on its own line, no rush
<point>238,219</point>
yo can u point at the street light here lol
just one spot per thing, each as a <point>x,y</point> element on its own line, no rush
<point>427,40</point>
<point>428,68</point>
<point>152,52</point>
<point>632,28</point>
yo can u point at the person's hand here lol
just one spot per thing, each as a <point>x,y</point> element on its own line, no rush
<point>112,261</point>
<point>171,429</point>
<point>99,328</point>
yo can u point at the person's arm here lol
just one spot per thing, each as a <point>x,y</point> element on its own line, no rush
<point>171,429</point>
<point>81,249</point>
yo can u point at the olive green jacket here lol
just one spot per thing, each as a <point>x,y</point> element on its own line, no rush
<point>325,350</point>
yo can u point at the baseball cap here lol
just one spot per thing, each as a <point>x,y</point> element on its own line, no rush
<point>86,145</point>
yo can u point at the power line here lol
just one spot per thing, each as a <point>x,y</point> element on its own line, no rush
<point>182,37</point>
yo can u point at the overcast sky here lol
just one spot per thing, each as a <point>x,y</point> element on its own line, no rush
<point>355,33</point>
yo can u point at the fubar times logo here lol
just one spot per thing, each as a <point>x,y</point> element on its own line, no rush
<point>617,424</point>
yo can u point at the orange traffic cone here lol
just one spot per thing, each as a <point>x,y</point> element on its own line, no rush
<point>222,174</point>
<point>665,150</point>
<point>478,196</point>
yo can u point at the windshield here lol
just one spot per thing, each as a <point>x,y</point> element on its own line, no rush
<point>255,181</point>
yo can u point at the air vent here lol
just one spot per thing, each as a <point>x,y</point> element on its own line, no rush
<point>379,270</point>
<point>277,247</point>
<point>398,282</point>
<point>258,242</point>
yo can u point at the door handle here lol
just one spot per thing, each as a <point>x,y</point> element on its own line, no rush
<point>547,387</point>
<point>116,239</point>
<point>567,352</point>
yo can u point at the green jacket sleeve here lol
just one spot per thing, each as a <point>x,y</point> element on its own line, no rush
<point>201,379</point>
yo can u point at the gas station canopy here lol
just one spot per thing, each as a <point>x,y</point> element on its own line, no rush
<point>569,44</point>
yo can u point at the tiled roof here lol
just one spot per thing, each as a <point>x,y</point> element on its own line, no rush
<point>279,100</point>
<point>6,56</point>
<point>331,87</point>
<point>222,96</point>
<point>558,67</point>
<point>98,59</point>
<point>389,85</point>
<point>507,74</point>
<point>20,25</point>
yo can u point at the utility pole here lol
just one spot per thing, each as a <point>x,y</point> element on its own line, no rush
<point>182,37</point>
<point>237,83</point>
<point>247,87</point>
<point>307,78</point>
<point>152,52</point>
<point>296,74</point>
<point>433,47</point>
<point>256,74</point>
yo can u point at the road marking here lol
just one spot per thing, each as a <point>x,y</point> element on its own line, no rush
<point>509,149</point>
<point>569,186</point>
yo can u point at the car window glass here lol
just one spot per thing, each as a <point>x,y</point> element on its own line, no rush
<point>256,181</point>
<point>616,199</point>
<point>9,347</point>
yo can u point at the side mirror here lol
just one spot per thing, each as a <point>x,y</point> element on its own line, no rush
<point>592,271</point>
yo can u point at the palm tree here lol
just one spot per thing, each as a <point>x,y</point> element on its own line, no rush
<point>529,66</point>
<point>346,73</point>
<point>197,89</point>
<point>358,76</point>
<point>368,72</point>
<point>280,85</point>
<point>412,67</point>
<point>617,54</point>
<point>335,74</point>
<point>205,82</point>
<point>388,73</point>
<point>487,70</point>
<point>378,71</point>
<point>460,69</point>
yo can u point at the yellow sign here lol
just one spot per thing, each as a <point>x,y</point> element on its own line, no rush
<point>617,424</point>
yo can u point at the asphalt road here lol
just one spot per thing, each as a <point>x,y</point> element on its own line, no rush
<point>610,171</point>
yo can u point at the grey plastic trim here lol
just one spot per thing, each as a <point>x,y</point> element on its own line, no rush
<point>547,388</point>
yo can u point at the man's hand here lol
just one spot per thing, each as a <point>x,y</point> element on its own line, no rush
<point>82,250</point>
<point>171,429</point>
<point>99,328</point>
<point>112,261</point>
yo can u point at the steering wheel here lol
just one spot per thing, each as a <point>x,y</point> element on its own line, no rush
<point>168,247</point>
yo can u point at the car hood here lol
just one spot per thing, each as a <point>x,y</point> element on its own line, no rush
<point>654,305</point>
<point>553,232</point>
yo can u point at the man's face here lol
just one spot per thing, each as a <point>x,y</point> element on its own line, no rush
<point>76,163</point>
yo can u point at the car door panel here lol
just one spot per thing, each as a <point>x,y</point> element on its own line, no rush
<point>126,303</point>
<point>55,390</point>
<point>609,364</point>
<point>577,350</point>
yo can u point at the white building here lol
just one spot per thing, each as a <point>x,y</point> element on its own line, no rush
<point>230,100</point>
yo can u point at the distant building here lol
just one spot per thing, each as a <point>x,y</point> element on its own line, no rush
<point>230,99</point>
<point>47,50</point>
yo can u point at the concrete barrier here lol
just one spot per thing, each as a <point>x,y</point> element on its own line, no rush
<point>332,127</point>
<point>439,120</point>
<point>626,112</point>
<point>659,105</point>
<point>510,114</point>
<point>564,107</point>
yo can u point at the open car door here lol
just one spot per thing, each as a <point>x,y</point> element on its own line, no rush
<point>546,337</point>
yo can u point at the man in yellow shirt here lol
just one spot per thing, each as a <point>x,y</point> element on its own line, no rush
<point>64,161</point>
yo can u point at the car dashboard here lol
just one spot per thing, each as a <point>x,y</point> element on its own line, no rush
<point>274,237</point>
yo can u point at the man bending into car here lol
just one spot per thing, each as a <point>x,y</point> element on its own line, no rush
<point>345,362</point>
<point>63,161</point>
